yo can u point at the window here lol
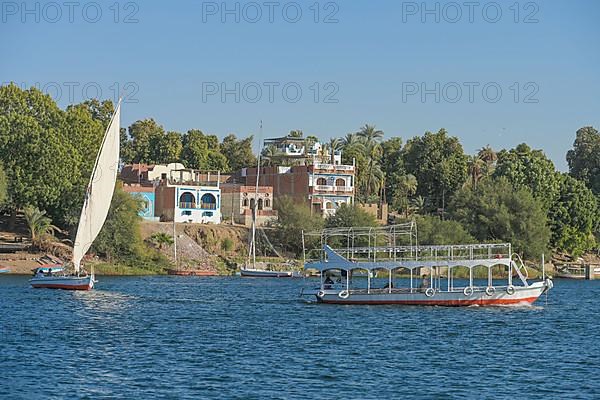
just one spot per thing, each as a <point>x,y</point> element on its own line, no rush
<point>252,203</point>
<point>208,202</point>
<point>321,182</point>
<point>207,214</point>
<point>187,200</point>
<point>267,203</point>
<point>189,213</point>
<point>339,182</point>
<point>245,203</point>
<point>260,204</point>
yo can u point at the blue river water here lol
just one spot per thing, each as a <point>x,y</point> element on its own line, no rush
<point>234,338</point>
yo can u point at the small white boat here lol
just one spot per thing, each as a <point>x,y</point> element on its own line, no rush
<point>66,282</point>
<point>404,267</point>
<point>95,208</point>
<point>262,273</point>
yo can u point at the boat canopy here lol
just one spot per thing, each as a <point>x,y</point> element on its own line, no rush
<point>469,256</point>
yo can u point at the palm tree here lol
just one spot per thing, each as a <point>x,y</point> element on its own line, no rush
<point>417,204</point>
<point>476,166</point>
<point>161,239</point>
<point>271,156</point>
<point>351,139</point>
<point>334,145</point>
<point>40,226</point>
<point>489,156</point>
<point>370,134</point>
<point>407,186</point>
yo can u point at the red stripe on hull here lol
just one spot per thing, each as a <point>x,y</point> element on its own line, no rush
<point>447,303</point>
<point>59,286</point>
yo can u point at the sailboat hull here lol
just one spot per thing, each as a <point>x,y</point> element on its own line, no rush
<point>63,282</point>
<point>258,273</point>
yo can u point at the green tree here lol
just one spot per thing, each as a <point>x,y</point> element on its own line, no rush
<point>195,149</point>
<point>584,158</point>
<point>120,238</point>
<point>145,140</point>
<point>39,159</point>
<point>489,157</point>
<point>370,134</point>
<point>392,162</point>
<point>293,218</point>
<point>406,187</point>
<point>439,164</point>
<point>435,231</point>
<point>238,152</point>
<point>168,149</point>
<point>573,217</point>
<point>215,161</point>
<point>528,168</point>
<point>497,211</point>
<point>3,186</point>
<point>350,216</point>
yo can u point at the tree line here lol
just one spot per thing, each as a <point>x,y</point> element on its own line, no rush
<point>516,195</point>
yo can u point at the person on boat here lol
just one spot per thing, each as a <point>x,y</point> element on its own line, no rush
<point>328,281</point>
<point>49,272</point>
<point>424,283</point>
<point>39,273</point>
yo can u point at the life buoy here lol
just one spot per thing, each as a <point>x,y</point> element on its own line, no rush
<point>321,293</point>
<point>490,290</point>
<point>343,294</point>
<point>468,291</point>
<point>510,289</point>
<point>429,292</point>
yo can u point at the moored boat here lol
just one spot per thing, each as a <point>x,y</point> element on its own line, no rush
<point>418,275</point>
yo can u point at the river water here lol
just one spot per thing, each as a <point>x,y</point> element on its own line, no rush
<point>234,338</point>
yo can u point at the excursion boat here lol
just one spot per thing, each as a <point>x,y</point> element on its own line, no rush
<point>416,275</point>
<point>266,273</point>
<point>93,213</point>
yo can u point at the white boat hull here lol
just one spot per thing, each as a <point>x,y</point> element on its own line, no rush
<point>63,282</point>
<point>521,296</point>
<point>259,273</point>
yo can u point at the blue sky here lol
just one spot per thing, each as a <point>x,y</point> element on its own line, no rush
<point>370,62</point>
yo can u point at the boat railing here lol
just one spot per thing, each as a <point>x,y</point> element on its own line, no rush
<point>458,289</point>
<point>469,252</point>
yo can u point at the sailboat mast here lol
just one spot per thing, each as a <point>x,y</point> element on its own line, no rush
<point>174,239</point>
<point>256,198</point>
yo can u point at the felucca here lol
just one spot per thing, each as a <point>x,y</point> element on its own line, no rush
<point>95,208</point>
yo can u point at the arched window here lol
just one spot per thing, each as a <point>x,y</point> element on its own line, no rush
<point>245,203</point>
<point>260,204</point>
<point>267,203</point>
<point>187,200</point>
<point>252,203</point>
<point>208,202</point>
<point>321,182</point>
<point>339,182</point>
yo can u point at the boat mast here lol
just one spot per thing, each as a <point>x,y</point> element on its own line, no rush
<point>253,244</point>
<point>175,237</point>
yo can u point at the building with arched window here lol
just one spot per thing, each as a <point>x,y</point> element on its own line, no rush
<point>189,196</point>
<point>325,187</point>
<point>238,202</point>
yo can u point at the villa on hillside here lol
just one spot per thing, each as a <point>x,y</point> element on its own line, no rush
<point>317,178</point>
<point>188,195</point>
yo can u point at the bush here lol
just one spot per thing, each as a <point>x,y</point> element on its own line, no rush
<point>227,244</point>
<point>293,219</point>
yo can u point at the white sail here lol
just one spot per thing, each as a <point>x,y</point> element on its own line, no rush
<point>100,190</point>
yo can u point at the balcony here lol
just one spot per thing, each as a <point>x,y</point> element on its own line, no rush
<point>194,206</point>
<point>347,169</point>
<point>333,189</point>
